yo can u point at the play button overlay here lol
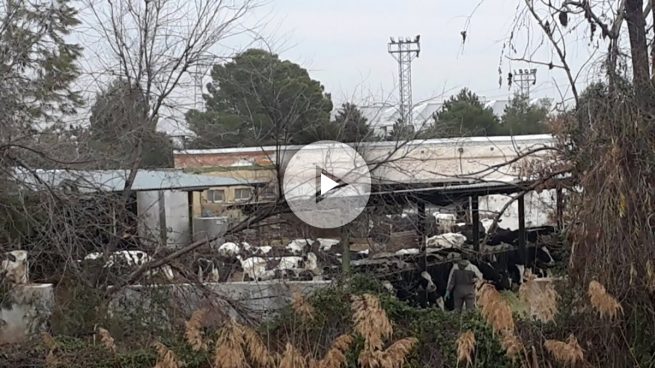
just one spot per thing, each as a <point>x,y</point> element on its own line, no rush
<point>327,184</point>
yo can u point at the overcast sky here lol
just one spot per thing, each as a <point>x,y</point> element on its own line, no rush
<point>343,43</point>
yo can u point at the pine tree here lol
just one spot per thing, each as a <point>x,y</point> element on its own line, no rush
<point>352,123</point>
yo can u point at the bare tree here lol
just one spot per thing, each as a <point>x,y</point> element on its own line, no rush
<point>612,224</point>
<point>153,45</point>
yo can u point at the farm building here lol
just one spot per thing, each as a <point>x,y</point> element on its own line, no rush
<point>163,201</point>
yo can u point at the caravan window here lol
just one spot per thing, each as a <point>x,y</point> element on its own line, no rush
<point>242,194</point>
<point>216,195</point>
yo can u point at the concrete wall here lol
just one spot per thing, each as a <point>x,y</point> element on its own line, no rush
<point>24,311</point>
<point>31,305</point>
<point>428,160</point>
<point>256,299</point>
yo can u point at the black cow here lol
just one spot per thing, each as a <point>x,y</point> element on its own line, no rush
<point>503,236</point>
<point>535,258</point>
<point>423,289</point>
<point>467,231</point>
<point>512,236</point>
<point>497,276</point>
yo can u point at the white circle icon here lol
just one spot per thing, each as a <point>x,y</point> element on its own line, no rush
<point>327,184</point>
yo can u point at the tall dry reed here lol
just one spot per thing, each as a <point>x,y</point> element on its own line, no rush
<point>567,353</point>
<point>465,348</point>
<point>604,303</point>
<point>166,358</point>
<point>540,297</point>
<point>193,330</point>
<point>371,322</point>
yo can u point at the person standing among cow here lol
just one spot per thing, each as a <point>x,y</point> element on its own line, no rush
<point>461,284</point>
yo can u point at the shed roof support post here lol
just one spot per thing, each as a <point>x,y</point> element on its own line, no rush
<point>522,242</point>
<point>560,209</point>
<point>190,204</point>
<point>422,222</point>
<point>475,219</point>
<point>346,267</point>
<point>161,206</point>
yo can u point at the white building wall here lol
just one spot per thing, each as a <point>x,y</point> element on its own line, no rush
<point>540,209</point>
<point>148,214</point>
<point>177,218</point>
<point>175,212</point>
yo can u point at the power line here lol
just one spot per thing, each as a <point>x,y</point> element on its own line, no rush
<point>405,51</point>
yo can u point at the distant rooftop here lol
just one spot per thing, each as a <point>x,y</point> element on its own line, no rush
<point>544,139</point>
<point>114,180</point>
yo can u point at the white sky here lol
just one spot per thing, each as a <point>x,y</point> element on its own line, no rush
<point>343,44</point>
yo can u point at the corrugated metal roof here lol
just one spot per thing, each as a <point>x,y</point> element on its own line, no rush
<point>114,180</point>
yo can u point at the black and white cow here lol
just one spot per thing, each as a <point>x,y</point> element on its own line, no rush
<point>536,259</point>
<point>14,267</point>
<point>125,261</point>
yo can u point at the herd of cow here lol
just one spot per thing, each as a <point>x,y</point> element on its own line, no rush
<point>418,276</point>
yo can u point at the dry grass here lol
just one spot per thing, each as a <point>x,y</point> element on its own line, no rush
<point>394,356</point>
<point>604,303</point>
<point>336,356</point>
<point>541,298</point>
<point>229,352</point>
<point>650,276</point>
<point>512,345</point>
<point>495,310</point>
<point>106,339</point>
<point>50,343</point>
<point>465,347</point>
<point>371,322</point>
<point>256,349</point>
<point>292,358</point>
<point>193,330</point>
<point>165,357</point>
<point>302,307</point>
<point>567,353</point>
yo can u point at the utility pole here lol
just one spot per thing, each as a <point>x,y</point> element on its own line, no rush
<point>404,51</point>
<point>525,78</point>
<point>202,67</point>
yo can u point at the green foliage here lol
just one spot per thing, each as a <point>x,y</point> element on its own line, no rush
<point>352,124</point>
<point>37,64</point>
<point>436,330</point>
<point>259,99</point>
<point>120,112</point>
<point>119,120</point>
<point>464,115</point>
<point>521,117</point>
<point>401,131</point>
<point>78,309</point>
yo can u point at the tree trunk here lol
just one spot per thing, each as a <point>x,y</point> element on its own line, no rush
<point>652,46</point>
<point>634,16</point>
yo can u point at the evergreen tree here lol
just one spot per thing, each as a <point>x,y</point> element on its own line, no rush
<point>118,121</point>
<point>521,117</point>
<point>401,131</point>
<point>259,99</point>
<point>464,115</point>
<point>352,124</point>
